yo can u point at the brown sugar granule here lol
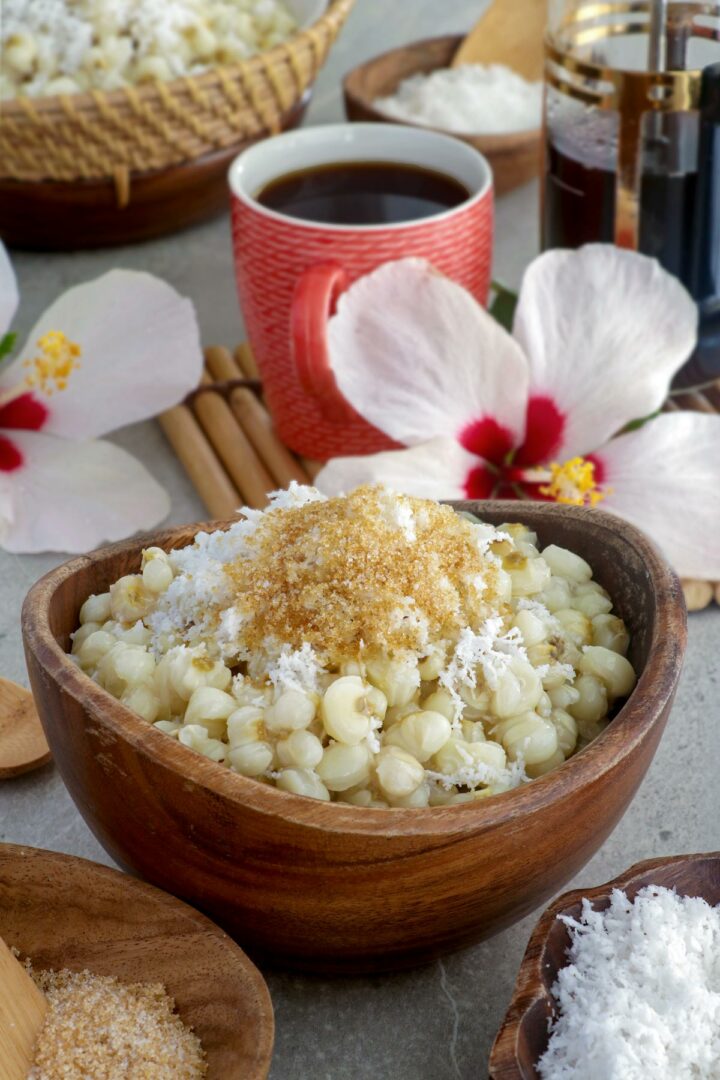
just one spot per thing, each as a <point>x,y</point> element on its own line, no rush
<point>98,1028</point>
<point>370,570</point>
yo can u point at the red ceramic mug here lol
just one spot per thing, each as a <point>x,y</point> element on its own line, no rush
<point>290,271</point>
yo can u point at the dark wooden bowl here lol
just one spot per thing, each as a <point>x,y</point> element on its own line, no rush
<point>515,157</point>
<point>65,912</point>
<point>523,1037</point>
<point>53,215</point>
<point>330,886</point>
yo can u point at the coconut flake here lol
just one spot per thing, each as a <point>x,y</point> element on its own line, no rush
<point>639,998</point>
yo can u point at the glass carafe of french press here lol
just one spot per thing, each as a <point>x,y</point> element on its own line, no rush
<point>632,120</point>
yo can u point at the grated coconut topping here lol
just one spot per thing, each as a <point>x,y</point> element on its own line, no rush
<point>639,998</point>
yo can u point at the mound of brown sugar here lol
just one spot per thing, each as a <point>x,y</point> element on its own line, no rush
<point>370,570</point>
<point>98,1028</point>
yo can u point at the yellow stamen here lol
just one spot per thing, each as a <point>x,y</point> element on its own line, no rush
<point>574,483</point>
<point>52,368</point>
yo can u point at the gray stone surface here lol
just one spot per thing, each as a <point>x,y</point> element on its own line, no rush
<point>436,1023</point>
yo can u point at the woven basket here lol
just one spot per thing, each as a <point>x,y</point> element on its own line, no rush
<point>100,136</point>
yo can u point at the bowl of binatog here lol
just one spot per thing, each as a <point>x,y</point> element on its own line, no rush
<point>328,886</point>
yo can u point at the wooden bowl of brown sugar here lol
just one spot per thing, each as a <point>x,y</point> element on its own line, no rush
<point>330,886</point>
<point>63,912</point>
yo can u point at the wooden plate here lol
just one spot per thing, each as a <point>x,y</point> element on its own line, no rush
<point>65,912</point>
<point>523,1037</point>
<point>82,214</point>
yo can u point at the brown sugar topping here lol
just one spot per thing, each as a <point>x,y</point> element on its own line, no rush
<point>371,570</point>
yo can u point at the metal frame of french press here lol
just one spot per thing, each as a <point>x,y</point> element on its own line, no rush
<point>632,94</point>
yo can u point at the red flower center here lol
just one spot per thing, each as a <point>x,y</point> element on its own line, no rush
<point>24,413</point>
<point>502,472</point>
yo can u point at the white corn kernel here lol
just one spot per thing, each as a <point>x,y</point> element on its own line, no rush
<point>94,648</point>
<point>142,700</point>
<point>567,731</point>
<point>576,627</point>
<point>398,772</point>
<point>363,797</point>
<point>440,701</point>
<point>542,768</point>
<point>157,575</point>
<point>135,635</point>
<point>129,600</point>
<point>399,680</point>
<point>473,731</point>
<point>168,727</point>
<point>189,671</point>
<point>422,734</point>
<point>544,706</point>
<point>556,595</point>
<point>344,710</point>
<point>518,689</point>
<point>211,708</point>
<point>615,671</point>
<point>432,664</point>
<point>245,725</point>
<point>533,630</point>
<point>566,564</point>
<point>416,800</point>
<point>250,759</point>
<point>562,696</point>
<point>303,782</point>
<point>96,608</point>
<point>610,632</point>
<point>399,712</point>
<point>343,767</point>
<point>592,604</point>
<point>292,710</point>
<point>592,702</point>
<point>82,634</point>
<point>529,576</point>
<point>301,749</point>
<point>528,736</point>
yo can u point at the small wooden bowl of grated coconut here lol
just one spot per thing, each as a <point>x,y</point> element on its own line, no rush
<point>491,107</point>
<point>622,973</point>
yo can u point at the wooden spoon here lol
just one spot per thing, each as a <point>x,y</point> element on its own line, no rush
<point>22,1011</point>
<point>22,742</point>
<point>508,33</point>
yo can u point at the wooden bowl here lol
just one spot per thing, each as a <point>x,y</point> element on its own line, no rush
<point>65,912</point>
<point>515,157</point>
<point>326,886</point>
<point>523,1037</point>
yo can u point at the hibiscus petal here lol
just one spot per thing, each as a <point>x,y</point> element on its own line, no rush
<point>71,496</point>
<point>418,357</point>
<point>604,331</point>
<point>436,470</point>
<point>666,480</point>
<point>8,291</point>
<point>140,353</point>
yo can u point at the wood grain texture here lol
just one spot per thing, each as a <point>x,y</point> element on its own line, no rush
<point>65,912</point>
<point>82,214</point>
<point>334,887</point>
<point>511,34</point>
<point>515,157</point>
<point>22,1011</point>
<point>23,745</point>
<point>523,1037</point>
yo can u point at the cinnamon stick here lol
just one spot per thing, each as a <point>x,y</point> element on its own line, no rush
<point>200,462</point>
<point>232,446</point>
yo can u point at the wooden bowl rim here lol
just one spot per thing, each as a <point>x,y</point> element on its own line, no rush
<point>530,986</point>
<point>17,108</point>
<point>490,142</point>
<point>652,695</point>
<point>254,984</point>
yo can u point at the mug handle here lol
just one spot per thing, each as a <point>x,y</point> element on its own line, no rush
<point>316,296</point>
